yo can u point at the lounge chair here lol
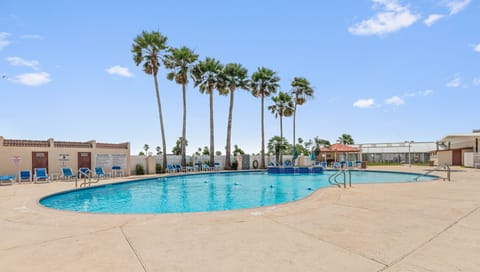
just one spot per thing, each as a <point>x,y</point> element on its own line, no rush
<point>25,175</point>
<point>99,173</point>
<point>117,171</point>
<point>205,167</point>
<point>197,166</point>
<point>84,172</point>
<point>67,173</point>
<point>6,180</point>
<point>170,168</point>
<point>217,166</point>
<point>324,164</point>
<point>179,168</point>
<point>40,175</point>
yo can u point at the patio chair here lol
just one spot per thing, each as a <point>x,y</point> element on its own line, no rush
<point>117,171</point>
<point>40,174</point>
<point>6,180</point>
<point>205,167</point>
<point>67,173</point>
<point>25,175</point>
<point>84,172</point>
<point>217,166</point>
<point>179,168</point>
<point>99,173</point>
<point>170,168</point>
<point>324,164</point>
<point>197,166</point>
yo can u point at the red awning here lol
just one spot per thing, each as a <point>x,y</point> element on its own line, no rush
<point>339,148</point>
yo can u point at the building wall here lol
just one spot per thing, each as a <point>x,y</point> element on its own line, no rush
<point>444,157</point>
<point>60,154</point>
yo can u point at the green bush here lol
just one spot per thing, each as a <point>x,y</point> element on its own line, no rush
<point>139,169</point>
<point>234,165</point>
<point>158,168</point>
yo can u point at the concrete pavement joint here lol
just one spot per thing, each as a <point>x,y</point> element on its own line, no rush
<point>429,240</point>
<point>137,255</point>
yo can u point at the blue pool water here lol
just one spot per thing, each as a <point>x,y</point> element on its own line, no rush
<point>206,192</point>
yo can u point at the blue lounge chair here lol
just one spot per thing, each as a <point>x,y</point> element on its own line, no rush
<point>40,175</point>
<point>84,172</point>
<point>6,180</point>
<point>178,168</point>
<point>170,168</point>
<point>25,175</point>
<point>217,166</point>
<point>67,173</point>
<point>197,166</point>
<point>205,167</point>
<point>99,173</point>
<point>350,164</point>
<point>336,165</point>
<point>324,164</point>
<point>117,171</point>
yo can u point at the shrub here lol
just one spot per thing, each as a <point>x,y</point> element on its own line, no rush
<point>139,169</point>
<point>234,165</point>
<point>158,168</point>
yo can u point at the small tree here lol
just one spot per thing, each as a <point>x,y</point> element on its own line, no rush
<point>177,149</point>
<point>237,150</point>
<point>159,150</point>
<point>205,151</point>
<point>146,147</point>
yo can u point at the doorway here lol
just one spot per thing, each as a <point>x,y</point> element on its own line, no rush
<point>39,160</point>
<point>85,160</point>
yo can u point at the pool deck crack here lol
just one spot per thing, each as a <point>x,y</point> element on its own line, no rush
<point>137,255</point>
<point>401,258</point>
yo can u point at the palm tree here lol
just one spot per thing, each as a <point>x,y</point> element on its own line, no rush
<point>319,142</point>
<point>180,62</point>
<point>277,145</point>
<point>147,50</point>
<point>345,139</point>
<point>301,92</point>
<point>283,106</point>
<point>264,83</point>
<point>232,77</point>
<point>205,75</point>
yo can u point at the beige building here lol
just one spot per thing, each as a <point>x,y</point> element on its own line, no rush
<point>16,155</point>
<point>459,149</point>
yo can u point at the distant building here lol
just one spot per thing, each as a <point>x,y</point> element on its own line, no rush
<point>459,149</point>
<point>399,152</point>
<point>16,155</point>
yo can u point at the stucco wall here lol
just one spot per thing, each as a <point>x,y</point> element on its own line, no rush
<point>59,156</point>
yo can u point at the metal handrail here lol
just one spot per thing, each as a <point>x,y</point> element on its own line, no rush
<point>87,174</point>
<point>340,172</point>
<point>444,167</point>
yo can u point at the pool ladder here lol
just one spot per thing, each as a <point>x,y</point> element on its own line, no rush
<point>344,173</point>
<point>87,175</point>
<point>444,167</point>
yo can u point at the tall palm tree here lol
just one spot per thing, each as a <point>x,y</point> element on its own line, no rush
<point>232,77</point>
<point>301,92</point>
<point>205,75</point>
<point>180,61</point>
<point>148,49</point>
<point>345,139</point>
<point>283,107</point>
<point>264,83</point>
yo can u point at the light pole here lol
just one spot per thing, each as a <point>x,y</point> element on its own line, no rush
<point>409,155</point>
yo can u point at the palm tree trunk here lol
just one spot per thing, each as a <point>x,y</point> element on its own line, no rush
<point>262,155</point>
<point>281,139</point>
<point>212,142</point>
<point>294,118</point>
<point>184,129</point>
<point>228,165</point>
<point>164,144</point>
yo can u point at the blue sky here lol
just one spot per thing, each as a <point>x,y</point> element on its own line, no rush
<point>383,70</point>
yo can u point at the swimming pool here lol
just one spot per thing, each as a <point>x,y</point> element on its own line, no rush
<point>206,192</point>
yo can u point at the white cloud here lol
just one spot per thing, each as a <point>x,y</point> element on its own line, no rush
<point>119,70</point>
<point>33,79</point>
<point>476,81</point>
<point>477,48</point>
<point>4,42</point>
<point>426,92</point>
<point>456,6</point>
<point>364,103</point>
<point>433,18</point>
<point>455,82</point>
<point>33,37</point>
<point>391,18</point>
<point>395,100</point>
<point>17,61</point>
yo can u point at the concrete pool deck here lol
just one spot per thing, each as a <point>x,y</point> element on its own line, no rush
<point>422,226</point>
